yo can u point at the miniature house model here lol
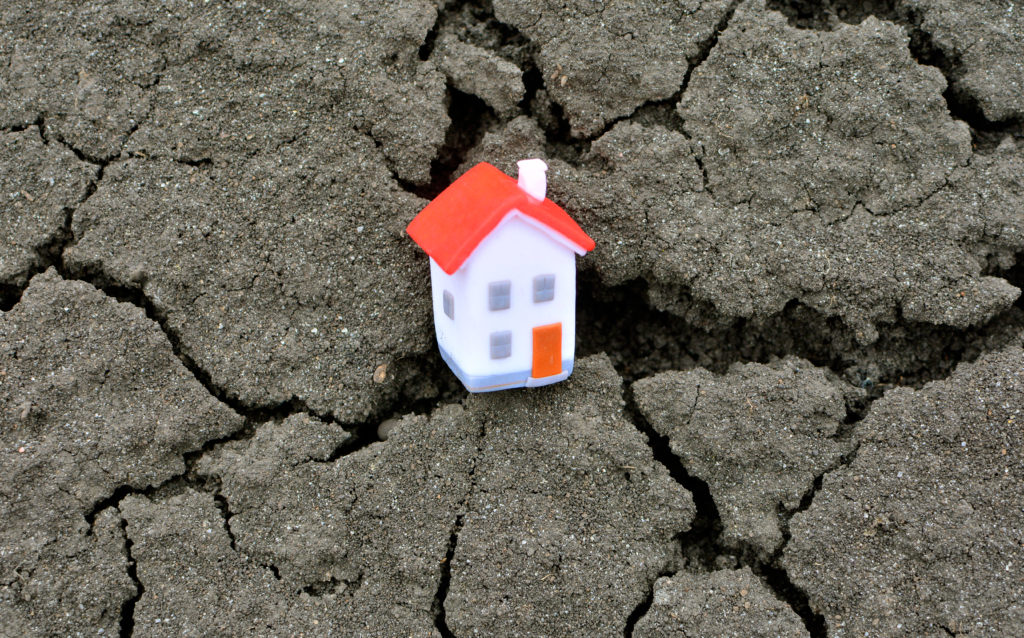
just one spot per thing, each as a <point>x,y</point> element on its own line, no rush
<point>503,274</point>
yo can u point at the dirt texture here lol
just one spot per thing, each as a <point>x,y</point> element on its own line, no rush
<point>929,512</point>
<point>299,292</point>
<point>215,81</point>
<point>811,140</point>
<point>92,400</point>
<point>799,338</point>
<point>759,435</point>
<point>40,184</point>
<point>980,44</point>
<point>352,545</point>
<point>605,60</point>
<point>727,602</point>
<point>569,519</point>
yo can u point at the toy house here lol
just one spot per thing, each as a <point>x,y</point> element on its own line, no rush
<point>503,276</point>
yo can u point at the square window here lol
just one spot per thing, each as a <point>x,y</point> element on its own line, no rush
<point>501,345</point>
<point>499,295</point>
<point>543,288</point>
<point>448,301</point>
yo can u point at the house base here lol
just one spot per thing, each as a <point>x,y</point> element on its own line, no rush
<point>506,380</point>
<point>554,378</point>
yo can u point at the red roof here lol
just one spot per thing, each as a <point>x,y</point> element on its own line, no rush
<point>451,227</point>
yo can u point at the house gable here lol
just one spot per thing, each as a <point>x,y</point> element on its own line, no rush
<point>516,251</point>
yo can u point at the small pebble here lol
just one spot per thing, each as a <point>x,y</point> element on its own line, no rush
<point>385,428</point>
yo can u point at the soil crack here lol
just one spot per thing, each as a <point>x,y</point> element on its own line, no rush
<point>437,606</point>
<point>470,117</point>
<point>51,253</point>
<point>701,547</point>
<point>127,626</point>
<point>225,510</point>
<point>363,434</point>
<point>641,340</point>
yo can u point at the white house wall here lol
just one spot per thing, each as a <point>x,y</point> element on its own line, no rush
<point>516,250</point>
<point>448,330</point>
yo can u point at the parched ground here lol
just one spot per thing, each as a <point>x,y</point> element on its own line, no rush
<point>798,406</point>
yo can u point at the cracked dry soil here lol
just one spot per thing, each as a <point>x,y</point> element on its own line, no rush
<point>799,404</point>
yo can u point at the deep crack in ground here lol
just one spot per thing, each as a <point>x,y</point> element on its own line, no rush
<point>127,624</point>
<point>438,610</point>
<point>701,548</point>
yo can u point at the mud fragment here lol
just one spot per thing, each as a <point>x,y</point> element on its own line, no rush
<point>39,184</point>
<point>570,518</point>
<point>721,603</point>
<point>601,61</point>
<point>758,435</point>
<point>92,403</point>
<point>927,515</point>
<point>473,70</point>
<point>981,44</point>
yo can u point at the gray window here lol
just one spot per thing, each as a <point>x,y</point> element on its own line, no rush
<point>543,288</point>
<point>499,295</point>
<point>501,344</point>
<point>448,301</point>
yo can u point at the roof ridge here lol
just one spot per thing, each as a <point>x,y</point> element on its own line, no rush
<point>451,226</point>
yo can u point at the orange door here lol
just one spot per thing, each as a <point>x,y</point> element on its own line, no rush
<point>547,350</point>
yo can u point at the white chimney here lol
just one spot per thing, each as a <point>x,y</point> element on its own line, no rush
<point>532,178</point>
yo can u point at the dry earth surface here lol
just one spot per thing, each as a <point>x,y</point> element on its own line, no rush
<point>798,408</point>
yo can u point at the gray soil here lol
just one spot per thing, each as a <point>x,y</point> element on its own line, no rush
<point>758,436</point>
<point>929,510</point>
<point>798,399</point>
<point>720,603</point>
